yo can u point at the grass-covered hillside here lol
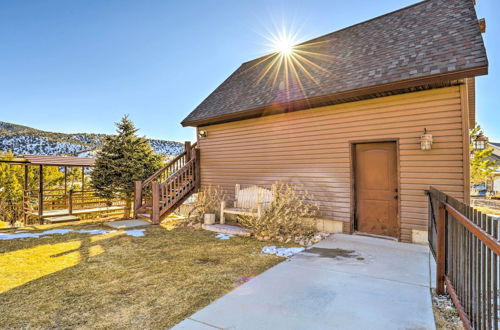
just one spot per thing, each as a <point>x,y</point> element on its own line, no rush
<point>26,140</point>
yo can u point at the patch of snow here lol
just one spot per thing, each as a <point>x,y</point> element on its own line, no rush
<point>282,252</point>
<point>95,231</point>
<point>5,237</point>
<point>224,236</point>
<point>135,232</point>
<point>24,234</point>
<point>57,231</point>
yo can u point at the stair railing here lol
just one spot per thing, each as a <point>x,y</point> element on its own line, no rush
<point>176,187</point>
<point>147,193</point>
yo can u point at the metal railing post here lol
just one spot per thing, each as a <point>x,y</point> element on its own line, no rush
<point>441,248</point>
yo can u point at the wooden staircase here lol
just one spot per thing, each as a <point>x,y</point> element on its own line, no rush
<point>164,191</point>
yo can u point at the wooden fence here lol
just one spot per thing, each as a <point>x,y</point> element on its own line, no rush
<point>466,246</point>
<point>61,199</point>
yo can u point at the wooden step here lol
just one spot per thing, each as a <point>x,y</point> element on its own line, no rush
<point>227,229</point>
<point>147,209</point>
<point>144,216</point>
<point>62,218</point>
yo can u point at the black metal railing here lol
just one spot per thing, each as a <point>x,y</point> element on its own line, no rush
<point>465,243</point>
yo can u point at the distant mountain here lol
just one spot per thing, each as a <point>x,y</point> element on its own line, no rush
<point>26,140</point>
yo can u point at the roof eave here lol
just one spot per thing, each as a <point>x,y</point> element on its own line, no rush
<point>323,100</point>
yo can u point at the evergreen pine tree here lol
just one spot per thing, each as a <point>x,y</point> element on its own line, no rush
<point>123,159</point>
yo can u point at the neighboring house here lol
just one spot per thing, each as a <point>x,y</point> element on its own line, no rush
<point>342,116</point>
<point>495,184</point>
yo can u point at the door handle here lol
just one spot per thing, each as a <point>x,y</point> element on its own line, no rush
<point>395,196</point>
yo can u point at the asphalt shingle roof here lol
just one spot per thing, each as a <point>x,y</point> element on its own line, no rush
<point>430,38</point>
<point>496,144</point>
<point>59,160</point>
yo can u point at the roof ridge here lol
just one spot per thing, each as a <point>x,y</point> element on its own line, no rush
<point>429,44</point>
<point>345,28</point>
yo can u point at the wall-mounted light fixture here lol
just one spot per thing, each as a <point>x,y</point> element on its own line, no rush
<point>426,140</point>
<point>202,134</point>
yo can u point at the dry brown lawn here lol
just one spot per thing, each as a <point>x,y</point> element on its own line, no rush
<point>111,281</point>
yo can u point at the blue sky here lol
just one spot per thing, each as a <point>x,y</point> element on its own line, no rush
<point>78,66</point>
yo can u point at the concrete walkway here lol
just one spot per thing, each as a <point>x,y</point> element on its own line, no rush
<point>343,282</point>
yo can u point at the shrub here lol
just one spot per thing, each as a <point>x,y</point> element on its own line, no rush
<point>10,211</point>
<point>290,216</point>
<point>207,200</point>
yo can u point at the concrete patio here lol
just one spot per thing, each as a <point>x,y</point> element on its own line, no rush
<point>343,282</point>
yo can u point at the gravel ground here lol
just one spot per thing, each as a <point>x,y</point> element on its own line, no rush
<point>445,313</point>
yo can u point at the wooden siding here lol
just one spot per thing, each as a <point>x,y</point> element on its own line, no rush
<point>471,95</point>
<point>313,148</point>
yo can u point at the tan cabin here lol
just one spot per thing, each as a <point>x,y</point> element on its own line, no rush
<point>366,119</point>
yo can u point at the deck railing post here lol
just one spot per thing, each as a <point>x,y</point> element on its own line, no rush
<point>137,197</point>
<point>441,248</point>
<point>187,150</point>
<point>40,194</point>
<point>70,201</point>
<point>197,169</point>
<point>155,216</point>
<point>25,194</point>
<point>40,207</point>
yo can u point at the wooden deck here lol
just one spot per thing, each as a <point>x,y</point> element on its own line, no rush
<point>63,212</point>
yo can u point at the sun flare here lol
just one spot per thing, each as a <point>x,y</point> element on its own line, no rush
<point>282,42</point>
<point>291,64</point>
<point>283,45</point>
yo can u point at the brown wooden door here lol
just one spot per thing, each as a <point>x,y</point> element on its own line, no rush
<point>376,188</point>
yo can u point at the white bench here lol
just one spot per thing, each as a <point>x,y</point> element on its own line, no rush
<point>250,201</point>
